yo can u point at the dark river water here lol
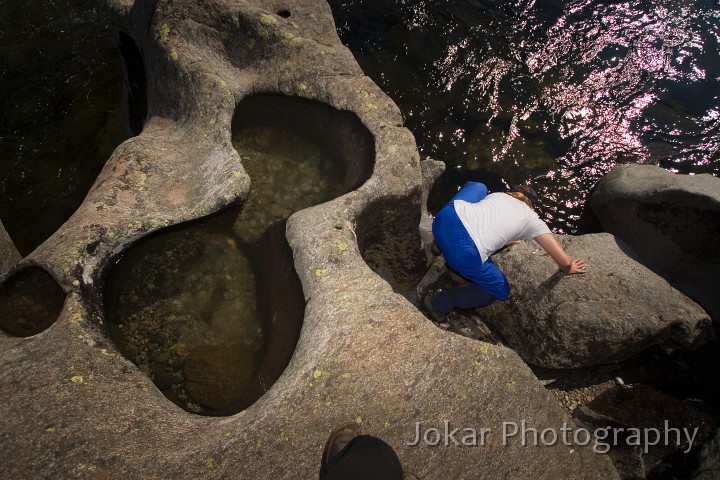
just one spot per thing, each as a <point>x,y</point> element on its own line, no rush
<point>60,111</point>
<point>554,93</point>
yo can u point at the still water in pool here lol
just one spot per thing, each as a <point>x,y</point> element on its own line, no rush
<point>288,174</point>
<point>183,304</point>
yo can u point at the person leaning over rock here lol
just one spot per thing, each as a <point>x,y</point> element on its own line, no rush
<point>473,226</point>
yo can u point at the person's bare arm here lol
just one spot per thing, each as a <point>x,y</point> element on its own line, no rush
<point>550,244</point>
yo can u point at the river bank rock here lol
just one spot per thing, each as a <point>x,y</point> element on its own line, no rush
<point>672,221</point>
<point>9,255</point>
<point>615,310</point>
<point>709,459</point>
<point>431,170</point>
<point>74,406</point>
<point>679,427</point>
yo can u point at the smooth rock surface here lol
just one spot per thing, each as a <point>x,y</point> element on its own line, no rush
<point>672,221</point>
<point>9,255</point>
<point>615,310</point>
<point>709,462</point>
<point>431,170</point>
<point>74,406</point>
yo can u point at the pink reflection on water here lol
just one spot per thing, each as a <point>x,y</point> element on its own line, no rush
<point>594,72</point>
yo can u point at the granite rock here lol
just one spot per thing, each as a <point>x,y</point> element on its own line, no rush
<point>672,221</point>
<point>615,310</point>
<point>9,255</point>
<point>74,406</point>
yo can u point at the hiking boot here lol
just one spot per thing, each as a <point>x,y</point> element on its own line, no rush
<point>339,438</point>
<point>430,312</point>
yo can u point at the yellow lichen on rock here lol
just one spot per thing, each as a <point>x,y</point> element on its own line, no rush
<point>164,32</point>
<point>267,20</point>
<point>368,107</point>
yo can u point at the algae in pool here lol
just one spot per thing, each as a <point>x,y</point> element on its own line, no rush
<point>183,304</point>
<point>288,174</point>
<point>183,309</point>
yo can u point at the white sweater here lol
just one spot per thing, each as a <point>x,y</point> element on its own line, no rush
<point>497,220</point>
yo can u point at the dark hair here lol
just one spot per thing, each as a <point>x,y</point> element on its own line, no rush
<point>527,191</point>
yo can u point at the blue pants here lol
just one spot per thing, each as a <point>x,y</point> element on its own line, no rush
<point>461,254</point>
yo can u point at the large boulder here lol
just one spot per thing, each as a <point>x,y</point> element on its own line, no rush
<point>615,310</point>
<point>672,221</point>
<point>74,406</point>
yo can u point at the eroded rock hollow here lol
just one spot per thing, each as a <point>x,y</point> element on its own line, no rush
<point>81,408</point>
